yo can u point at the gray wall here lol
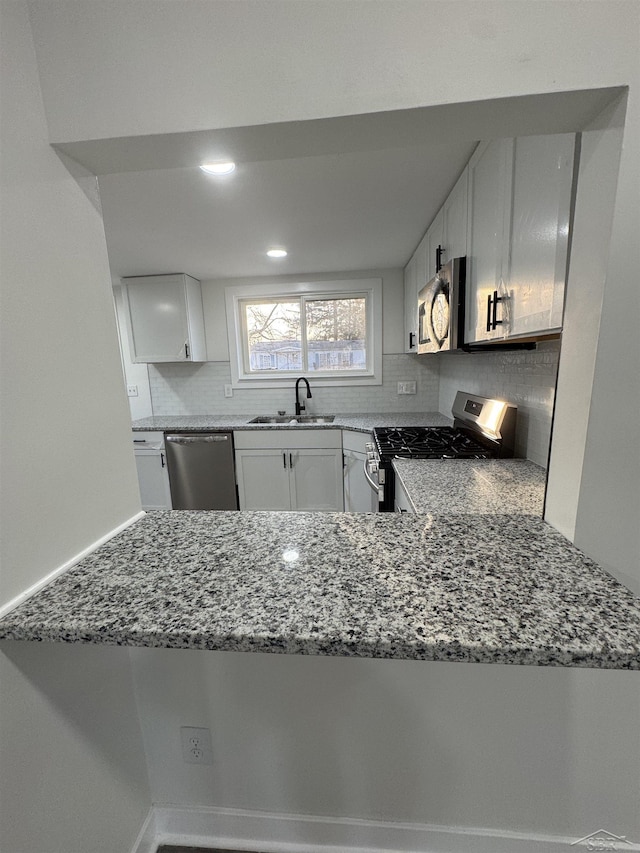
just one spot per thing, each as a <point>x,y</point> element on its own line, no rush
<point>73,774</point>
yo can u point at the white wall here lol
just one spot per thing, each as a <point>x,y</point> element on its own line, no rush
<point>68,478</point>
<point>74,776</point>
<point>133,374</point>
<point>532,749</point>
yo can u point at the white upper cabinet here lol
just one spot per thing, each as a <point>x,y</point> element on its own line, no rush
<point>454,222</point>
<point>539,233</point>
<point>164,318</point>
<point>517,237</point>
<point>435,241</point>
<point>487,213</point>
<point>411,306</point>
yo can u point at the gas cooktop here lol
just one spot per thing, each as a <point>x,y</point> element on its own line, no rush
<point>428,443</point>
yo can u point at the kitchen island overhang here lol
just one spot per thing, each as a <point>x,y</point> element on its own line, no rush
<point>470,588</point>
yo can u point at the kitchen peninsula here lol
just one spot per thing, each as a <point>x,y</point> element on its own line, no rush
<point>474,588</point>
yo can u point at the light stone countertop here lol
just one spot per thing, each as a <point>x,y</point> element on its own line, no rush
<point>486,486</point>
<point>363,422</point>
<point>484,589</point>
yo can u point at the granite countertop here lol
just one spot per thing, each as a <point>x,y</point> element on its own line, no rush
<point>475,588</point>
<point>496,486</point>
<point>363,422</point>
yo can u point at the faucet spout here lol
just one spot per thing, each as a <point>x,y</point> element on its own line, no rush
<point>299,407</point>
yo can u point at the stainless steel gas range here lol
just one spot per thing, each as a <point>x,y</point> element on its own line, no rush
<point>482,429</point>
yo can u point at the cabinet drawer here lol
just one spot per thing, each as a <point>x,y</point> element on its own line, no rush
<point>144,439</point>
<point>356,441</point>
<point>287,439</point>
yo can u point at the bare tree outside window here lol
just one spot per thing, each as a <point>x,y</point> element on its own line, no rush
<point>334,336</point>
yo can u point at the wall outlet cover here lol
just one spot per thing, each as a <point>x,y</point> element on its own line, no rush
<point>228,390</point>
<point>407,387</point>
<point>196,745</point>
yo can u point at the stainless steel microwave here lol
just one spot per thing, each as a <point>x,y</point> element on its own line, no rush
<point>441,309</point>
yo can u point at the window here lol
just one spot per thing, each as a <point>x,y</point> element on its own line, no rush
<point>328,330</point>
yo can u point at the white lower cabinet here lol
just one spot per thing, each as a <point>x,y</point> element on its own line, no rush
<point>401,501</point>
<point>289,469</point>
<point>153,475</point>
<point>358,494</point>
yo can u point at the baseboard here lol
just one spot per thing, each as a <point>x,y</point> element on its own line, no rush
<point>45,581</point>
<point>235,829</point>
<point>147,839</point>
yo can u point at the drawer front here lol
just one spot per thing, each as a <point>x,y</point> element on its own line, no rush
<point>356,441</point>
<point>290,438</point>
<point>142,439</point>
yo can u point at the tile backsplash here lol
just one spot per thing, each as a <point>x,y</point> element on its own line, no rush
<point>195,389</point>
<point>526,378</point>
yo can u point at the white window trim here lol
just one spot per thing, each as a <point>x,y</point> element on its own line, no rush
<point>369,287</point>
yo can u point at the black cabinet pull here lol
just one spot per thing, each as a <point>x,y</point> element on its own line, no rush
<point>492,311</point>
<point>186,350</point>
<point>411,337</point>
<point>494,319</point>
<point>284,460</point>
<point>439,253</point>
<point>162,459</point>
<point>291,460</point>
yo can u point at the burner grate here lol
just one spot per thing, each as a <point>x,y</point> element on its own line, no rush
<point>428,443</point>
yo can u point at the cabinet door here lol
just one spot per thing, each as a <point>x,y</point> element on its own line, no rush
<point>165,318</point>
<point>358,494</point>
<point>539,228</point>
<point>316,480</point>
<point>263,479</point>
<point>434,238</point>
<point>153,479</point>
<point>487,210</point>
<point>455,220</point>
<point>410,307</point>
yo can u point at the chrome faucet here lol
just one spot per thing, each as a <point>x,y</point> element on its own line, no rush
<point>300,408</point>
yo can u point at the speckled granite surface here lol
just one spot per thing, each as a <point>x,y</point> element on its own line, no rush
<point>487,486</point>
<point>488,589</point>
<point>361,422</point>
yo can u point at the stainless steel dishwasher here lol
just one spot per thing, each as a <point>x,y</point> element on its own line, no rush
<point>201,470</point>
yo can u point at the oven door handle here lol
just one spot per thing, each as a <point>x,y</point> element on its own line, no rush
<point>369,479</point>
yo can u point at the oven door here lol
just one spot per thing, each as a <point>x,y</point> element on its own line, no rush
<point>375,477</point>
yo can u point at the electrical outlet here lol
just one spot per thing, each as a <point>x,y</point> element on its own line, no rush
<point>196,745</point>
<point>132,390</point>
<point>228,390</point>
<point>407,387</point>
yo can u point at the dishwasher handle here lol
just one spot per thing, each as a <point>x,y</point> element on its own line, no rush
<point>195,439</point>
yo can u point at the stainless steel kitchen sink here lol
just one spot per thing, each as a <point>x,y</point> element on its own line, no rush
<point>293,419</point>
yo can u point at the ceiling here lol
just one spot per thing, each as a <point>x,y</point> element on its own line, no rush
<point>340,194</point>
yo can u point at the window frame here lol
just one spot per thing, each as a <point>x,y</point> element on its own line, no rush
<point>369,288</point>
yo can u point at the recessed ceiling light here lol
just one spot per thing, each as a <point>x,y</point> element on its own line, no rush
<point>277,253</point>
<point>218,168</point>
